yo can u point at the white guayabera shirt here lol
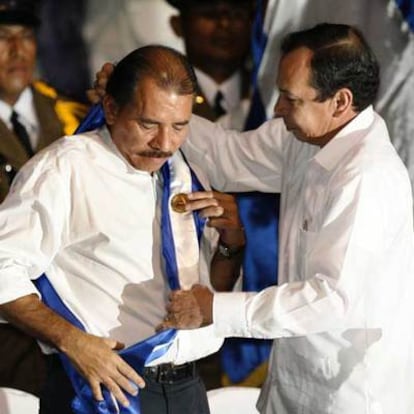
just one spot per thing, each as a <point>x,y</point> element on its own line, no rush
<point>342,315</point>
<point>82,214</point>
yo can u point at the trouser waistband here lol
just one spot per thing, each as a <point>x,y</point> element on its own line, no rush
<point>170,373</point>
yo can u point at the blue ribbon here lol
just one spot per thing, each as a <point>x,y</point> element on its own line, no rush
<point>407,10</point>
<point>167,237</point>
<point>94,119</point>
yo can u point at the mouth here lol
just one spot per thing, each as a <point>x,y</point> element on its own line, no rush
<point>16,69</point>
<point>224,42</point>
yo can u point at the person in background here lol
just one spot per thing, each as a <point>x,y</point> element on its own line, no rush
<point>216,36</point>
<point>32,115</point>
<point>342,315</point>
<point>100,217</point>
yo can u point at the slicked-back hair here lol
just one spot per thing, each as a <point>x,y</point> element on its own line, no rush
<point>341,59</point>
<point>169,69</point>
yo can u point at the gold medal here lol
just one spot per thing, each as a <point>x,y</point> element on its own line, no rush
<point>178,202</point>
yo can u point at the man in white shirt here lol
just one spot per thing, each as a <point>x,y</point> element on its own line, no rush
<point>342,315</point>
<point>93,213</point>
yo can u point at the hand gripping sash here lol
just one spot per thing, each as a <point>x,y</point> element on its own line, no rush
<point>136,355</point>
<point>180,238</point>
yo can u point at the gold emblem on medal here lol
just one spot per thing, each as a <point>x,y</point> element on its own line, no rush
<point>178,203</point>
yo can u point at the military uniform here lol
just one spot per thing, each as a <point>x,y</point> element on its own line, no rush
<point>57,117</point>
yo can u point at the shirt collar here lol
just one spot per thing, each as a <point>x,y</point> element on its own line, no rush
<point>25,108</point>
<point>230,88</point>
<point>329,155</point>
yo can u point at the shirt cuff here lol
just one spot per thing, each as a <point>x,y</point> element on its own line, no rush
<point>190,345</point>
<point>229,314</point>
<point>14,286</point>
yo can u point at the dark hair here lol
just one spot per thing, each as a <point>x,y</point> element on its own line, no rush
<point>341,59</point>
<point>167,67</point>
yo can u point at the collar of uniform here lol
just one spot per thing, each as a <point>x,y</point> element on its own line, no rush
<point>25,108</point>
<point>329,156</point>
<point>230,88</point>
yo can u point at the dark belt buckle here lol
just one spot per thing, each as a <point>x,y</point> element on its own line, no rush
<point>164,374</point>
<point>170,373</point>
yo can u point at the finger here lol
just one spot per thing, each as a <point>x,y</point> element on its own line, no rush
<point>200,195</point>
<point>116,391</point>
<point>96,390</point>
<point>202,204</point>
<point>108,68</point>
<point>212,212</point>
<point>131,375</point>
<point>127,385</point>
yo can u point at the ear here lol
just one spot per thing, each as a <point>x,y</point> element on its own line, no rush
<point>176,25</point>
<point>343,102</point>
<point>110,109</point>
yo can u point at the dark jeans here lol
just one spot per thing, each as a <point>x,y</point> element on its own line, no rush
<point>187,396</point>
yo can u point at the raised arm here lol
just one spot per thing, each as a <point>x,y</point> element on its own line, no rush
<point>234,161</point>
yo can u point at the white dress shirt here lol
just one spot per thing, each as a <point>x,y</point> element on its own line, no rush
<point>84,216</point>
<point>343,313</point>
<point>24,107</point>
<point>230,88</point>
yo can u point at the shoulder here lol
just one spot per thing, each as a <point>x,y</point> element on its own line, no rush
<point>65,153</point>
<point>69,112</point>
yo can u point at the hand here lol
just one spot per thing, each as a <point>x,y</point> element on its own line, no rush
<point>96,94</point>
<point>189,309</point>
<point>96,361</point>
<point>222,213</point>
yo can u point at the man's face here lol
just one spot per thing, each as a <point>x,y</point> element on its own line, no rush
<point>17,60</point>
<point>152,127</point>
<point>309,120</point>
<point>216,33</point>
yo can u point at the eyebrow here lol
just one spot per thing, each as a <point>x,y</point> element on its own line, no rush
<point>287,92</point>
<point>152,121</point>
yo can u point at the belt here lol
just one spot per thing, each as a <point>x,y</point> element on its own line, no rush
<point>170,373</point>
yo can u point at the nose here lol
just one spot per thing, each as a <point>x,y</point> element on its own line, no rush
<point>161,140</point>
<point>224,20</point>
<point>15,44</point>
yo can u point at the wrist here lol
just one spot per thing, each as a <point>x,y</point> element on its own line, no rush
<point>230,251</point>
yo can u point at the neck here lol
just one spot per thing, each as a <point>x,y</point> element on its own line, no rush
<point>219,73</point>
<point>10,99</point>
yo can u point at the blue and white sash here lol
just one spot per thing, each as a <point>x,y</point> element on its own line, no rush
<point>180,232</point>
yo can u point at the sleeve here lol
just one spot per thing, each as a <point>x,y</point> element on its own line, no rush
<point>32,220</point>
<point>234,161</point>
<point>364,237</point>
<point>190,345</point>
